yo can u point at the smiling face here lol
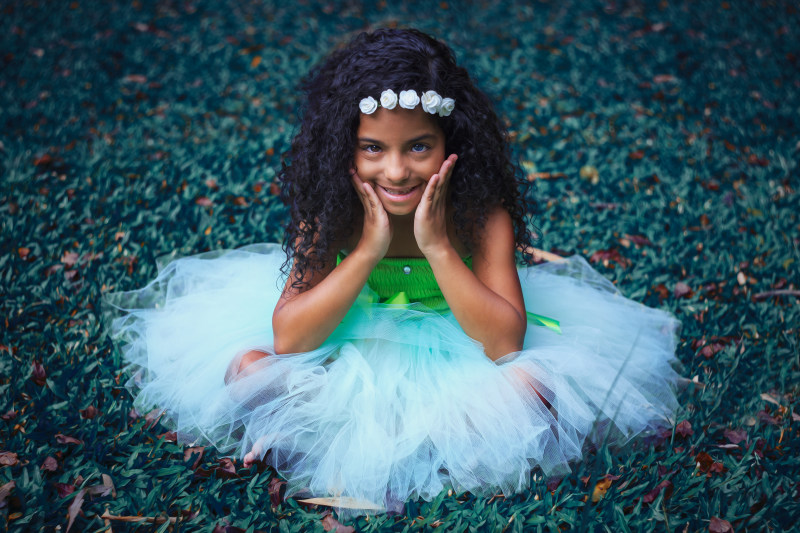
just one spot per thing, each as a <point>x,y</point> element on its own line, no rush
<point>398,151</point>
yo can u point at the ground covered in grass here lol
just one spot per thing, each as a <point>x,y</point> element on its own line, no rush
<point>661,142</point>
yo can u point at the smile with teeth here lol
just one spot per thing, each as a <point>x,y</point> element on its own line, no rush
<point>399,192</point>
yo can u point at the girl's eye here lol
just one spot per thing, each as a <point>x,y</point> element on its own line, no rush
<point>419,147</point>
<point>371,148</point>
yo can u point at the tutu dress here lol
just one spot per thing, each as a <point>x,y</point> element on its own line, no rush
<point>398,402</point>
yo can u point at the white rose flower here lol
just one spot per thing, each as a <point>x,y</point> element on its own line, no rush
<point>388,99</point>
<point>431,102</point>
<point>409,99</point>
<point>446,107</point>
<point>368,105</point>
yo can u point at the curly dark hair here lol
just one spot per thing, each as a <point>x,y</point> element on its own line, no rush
<point>315,178</point>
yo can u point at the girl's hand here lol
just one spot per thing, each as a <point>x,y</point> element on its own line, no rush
<point>376,234</point>
<point>430,218</point>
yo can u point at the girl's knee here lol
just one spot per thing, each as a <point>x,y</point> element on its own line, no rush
<point>251,357</point>
<point>238,366</point>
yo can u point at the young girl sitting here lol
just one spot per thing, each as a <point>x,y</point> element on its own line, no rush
<point>406,352</point>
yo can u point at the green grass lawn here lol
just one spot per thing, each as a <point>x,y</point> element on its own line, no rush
<point>662,141</point>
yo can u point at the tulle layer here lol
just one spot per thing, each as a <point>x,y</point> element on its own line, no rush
<point>398,402</point>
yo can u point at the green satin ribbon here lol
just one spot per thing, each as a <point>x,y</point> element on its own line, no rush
<point>401,298</point>
<point>398,298</point>
<point>544,321</point>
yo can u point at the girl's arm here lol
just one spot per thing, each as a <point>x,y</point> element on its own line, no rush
<point>486,301</point>
<point>303,320</point>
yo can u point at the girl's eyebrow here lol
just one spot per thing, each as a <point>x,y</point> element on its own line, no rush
<point>415,139</point>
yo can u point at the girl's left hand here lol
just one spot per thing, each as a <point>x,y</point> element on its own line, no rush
<point>430,218</point>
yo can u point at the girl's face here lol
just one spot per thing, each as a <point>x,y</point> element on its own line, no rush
<point>398,151</point>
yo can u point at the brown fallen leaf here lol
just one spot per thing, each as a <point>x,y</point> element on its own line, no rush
<point>64,489</point>
<point>638,240</point>
<point>718,525</point>
<point>196,452</point>
<point>5,491</point>
<point>329,523</point>
<point>682,290</point>
<point>66,439</point>
<point>684,429</point>
<point>50,464</point>
<point>606,256</point>
<point>8,459</point>
<point>89,413</point>
<point>735,436</point>
<point>38,374</point>
<point>276,489</point>
<point>665,486</point>
<point>69,259</point>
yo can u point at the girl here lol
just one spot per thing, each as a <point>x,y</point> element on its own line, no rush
<point>406,352</point>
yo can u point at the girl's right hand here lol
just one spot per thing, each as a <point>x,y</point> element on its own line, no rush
<point>376,234</point>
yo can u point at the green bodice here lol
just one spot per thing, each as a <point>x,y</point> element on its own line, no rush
<point>410,275</point>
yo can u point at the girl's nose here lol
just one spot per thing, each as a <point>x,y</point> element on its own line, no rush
<point>395,169</point>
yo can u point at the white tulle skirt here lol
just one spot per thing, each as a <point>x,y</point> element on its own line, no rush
<point>399,402</point>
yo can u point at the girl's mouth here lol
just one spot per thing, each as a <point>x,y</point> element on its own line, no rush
<point>399,194</point>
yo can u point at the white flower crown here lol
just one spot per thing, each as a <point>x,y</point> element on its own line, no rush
<point>432,102</point>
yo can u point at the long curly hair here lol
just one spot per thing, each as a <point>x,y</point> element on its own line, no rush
<point>315,178</point>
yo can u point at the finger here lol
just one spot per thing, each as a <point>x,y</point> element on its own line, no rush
<point>363,194</point>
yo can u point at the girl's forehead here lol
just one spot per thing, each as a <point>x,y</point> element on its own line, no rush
<point>397,124</point>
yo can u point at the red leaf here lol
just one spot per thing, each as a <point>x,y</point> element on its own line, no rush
<point>735,436</point>
<point>9,415</point>
<point>665,485</point>
<point>38,374</point>
<point>638,240</point>
<point>64,489</point>
<point>684,429</point>
<point>662,291</point>
<point>169,436</point>
<point>718,525</point>
<point>8,459</point>
<point>50,464</point>
<point>606,256</point>
<point>23,252</point>
<point>43,160</point>
<point>66,439</point>
<point>205,202</point>
<point>638,154</point>
<point>703,461</point>
<point>553,483</point>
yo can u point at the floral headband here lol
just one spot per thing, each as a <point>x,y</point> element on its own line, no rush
<point>432,102</point>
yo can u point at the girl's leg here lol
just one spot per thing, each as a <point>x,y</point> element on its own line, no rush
<point>238,367</point>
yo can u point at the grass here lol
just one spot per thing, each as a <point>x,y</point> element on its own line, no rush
<point>661,140</point>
